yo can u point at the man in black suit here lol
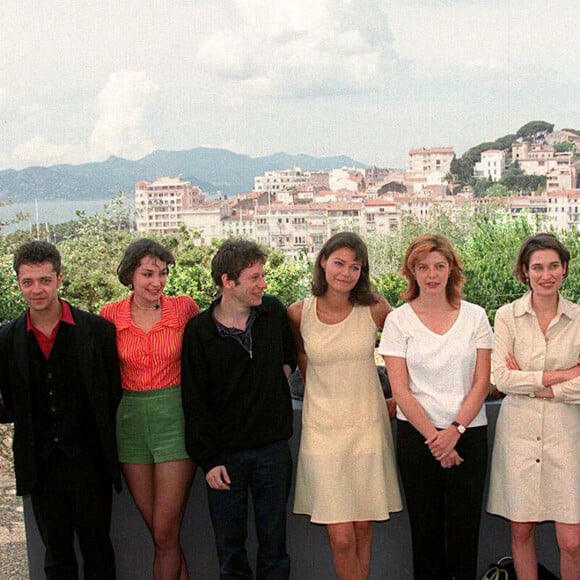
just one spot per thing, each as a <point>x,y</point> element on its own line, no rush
<point>60,385</point>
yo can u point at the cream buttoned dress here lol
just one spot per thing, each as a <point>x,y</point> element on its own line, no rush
<point>535,472</point>
<point>346,467</point>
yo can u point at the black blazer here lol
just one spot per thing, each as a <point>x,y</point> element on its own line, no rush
<point>94,341</point>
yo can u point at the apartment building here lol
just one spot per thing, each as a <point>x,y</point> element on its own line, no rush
<point>563,136</point>
<point>305,224</point>
<point>206,219</point>
<point>542,159</point>
<point>347,178</point>
<point>239,224</point>
<point>430,159</point>
<point>160,206</point>
<point>492,165</point>
<point>280,183</point>
<point>382,216</point>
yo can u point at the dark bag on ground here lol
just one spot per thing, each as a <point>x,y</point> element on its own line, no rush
<point>504,570</point>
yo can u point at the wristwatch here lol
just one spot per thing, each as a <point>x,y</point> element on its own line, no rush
<point>460,428</point>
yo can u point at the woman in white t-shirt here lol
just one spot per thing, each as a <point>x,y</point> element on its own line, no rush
<point>437,349</point>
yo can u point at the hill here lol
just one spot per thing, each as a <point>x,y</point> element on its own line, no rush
<point>212,169</point>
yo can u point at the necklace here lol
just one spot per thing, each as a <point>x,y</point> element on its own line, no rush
<point>156,307</point>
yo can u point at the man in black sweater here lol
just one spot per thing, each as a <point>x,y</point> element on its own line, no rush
<point>60,385</point>
<point>236,358</point>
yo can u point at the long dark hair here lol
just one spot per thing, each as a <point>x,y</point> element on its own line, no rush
<point>363,293</point>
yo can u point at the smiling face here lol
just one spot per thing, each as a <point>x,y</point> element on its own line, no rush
<point>545,272</point>
<point>249,288</point>
<point>39,284</point>
<point>342,270</point>
<point>149,280</point>
<point>432,273</point>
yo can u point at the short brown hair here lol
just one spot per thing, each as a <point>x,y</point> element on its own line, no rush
<point>363,293</point>
<point>533,244</point>
<point>37,252</point>
<point>419,248</point>
<point>135,252</point>
<point>232,257</point>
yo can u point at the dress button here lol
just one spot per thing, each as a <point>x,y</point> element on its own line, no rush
<point>53,408</point>
<point>51,392</point>
<point>56,439</point>
<point>537,461</point>
<point>538,438</point>
<point>49,375</point>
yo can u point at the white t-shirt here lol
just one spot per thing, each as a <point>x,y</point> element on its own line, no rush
<point>440,367</point>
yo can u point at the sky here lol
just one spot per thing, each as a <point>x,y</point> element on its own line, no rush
<point>81,80</point>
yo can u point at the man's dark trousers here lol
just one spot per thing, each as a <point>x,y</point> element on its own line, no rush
<point>266,472</point>
<point>74,494</point>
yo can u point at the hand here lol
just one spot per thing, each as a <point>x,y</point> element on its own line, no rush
<point>451,460</point>
<point>391,408</point>
<point>218,478</point>
<point>546,393</point>
<point>511,363</point>
<point>443,442</point>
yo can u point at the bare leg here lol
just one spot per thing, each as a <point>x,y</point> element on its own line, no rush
<point>172,484</point>
<point>343,543</point>
<point>568,537</point>
<point>524,550</point>
<point>160,492</point>
<point>364,539</point>
<point>141,484</point>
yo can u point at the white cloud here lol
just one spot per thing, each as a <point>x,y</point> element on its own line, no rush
<point>302,48</point>
<point>122,125</point>
<point>38,151</point>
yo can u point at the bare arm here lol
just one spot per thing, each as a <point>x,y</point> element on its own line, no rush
<point>294,317</point>
<point>446,439</point>
<point>380,310</point>
<point>412,409</point>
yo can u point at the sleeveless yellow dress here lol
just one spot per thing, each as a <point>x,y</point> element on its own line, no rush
<point>346,466</point>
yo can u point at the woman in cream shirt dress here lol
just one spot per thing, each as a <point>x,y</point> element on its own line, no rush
<point>536,457</point>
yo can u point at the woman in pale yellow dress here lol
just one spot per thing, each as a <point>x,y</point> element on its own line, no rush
<point>346,474</point>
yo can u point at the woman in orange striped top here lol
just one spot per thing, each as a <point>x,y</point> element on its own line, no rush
<point>150,425</point>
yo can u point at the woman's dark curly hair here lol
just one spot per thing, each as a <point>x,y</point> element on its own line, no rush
<point>135,252</point>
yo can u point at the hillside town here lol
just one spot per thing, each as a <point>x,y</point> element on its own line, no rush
<point>296,211</point>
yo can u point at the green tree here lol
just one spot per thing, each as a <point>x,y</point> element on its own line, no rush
<point>288,278</point>
<point>497,190</point>
<point>480,186</point>
<point>11,302</point>
<point>534,130</point>
<point>564,147</point>
<point>6,221</point>
<point>463,167</point>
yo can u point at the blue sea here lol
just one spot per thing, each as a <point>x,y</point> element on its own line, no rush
<point>51,212</point>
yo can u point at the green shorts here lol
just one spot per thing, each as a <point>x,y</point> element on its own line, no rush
<point>151,426</point>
